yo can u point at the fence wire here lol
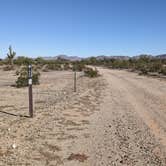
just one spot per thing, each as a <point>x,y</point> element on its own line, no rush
<point>55,87</point>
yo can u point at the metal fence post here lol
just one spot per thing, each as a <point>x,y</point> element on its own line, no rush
<point>30,91</point>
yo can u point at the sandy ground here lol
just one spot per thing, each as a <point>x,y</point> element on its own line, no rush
<point>113,120</point>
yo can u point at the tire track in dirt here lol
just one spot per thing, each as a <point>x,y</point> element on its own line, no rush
<point>147,107</point>
<point>120,136</point>
<point>156,97</point>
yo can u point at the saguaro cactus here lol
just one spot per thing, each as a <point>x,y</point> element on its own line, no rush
<point>11,55</point>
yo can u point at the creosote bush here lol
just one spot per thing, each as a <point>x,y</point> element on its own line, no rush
<point>144,64</point>
<point>22,80</point>
<point>163,70</point>
<point>78,66</point>
<point>90,72</point>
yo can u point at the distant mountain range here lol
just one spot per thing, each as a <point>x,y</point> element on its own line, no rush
<point>101,57</point>
<point>163,56</point>
<point>65,57</point>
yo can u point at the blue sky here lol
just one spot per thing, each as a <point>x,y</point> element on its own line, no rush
<point>83,27</point>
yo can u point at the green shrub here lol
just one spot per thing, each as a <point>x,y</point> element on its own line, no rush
<point>89,72</point>
<point>1,62</point>
<point>154,66</point>
<point>143,71</point>
<point>54,66</point>
<point>163,70</point>
<point>22,80</point>
<point>21,60</point>
<point>66,66</point>
<point>78,66</point>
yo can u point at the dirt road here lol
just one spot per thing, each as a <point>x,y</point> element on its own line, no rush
<point>113,120</point>
<point>130,128</point>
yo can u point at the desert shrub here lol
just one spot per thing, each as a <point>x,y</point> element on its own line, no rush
<point>1,62</point>
<point>92,61</point>
<point>89,72</point>
<point>153,67</point>
<point>78,66</point>
<point>40,61</point>
<point>144,64</point>
<point>143,71</point>
<point>54,66</point>
<point>66,66</point>
<point>163,71</point>
<point>120,64</point>
<point>21,60</point>
<point>22,80</point>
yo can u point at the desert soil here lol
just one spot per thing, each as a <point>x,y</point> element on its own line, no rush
<point>116,119</point>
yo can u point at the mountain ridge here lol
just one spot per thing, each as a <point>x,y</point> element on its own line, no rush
<point>102,57</point>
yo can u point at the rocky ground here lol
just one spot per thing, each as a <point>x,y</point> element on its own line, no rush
<point>116,119</point>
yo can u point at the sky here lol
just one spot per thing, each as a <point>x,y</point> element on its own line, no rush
<point>83,27</point>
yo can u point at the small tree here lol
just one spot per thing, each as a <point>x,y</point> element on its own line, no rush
<point>11,56</point>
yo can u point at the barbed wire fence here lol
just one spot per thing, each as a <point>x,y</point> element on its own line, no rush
<point>15,100</point>
<point>46,99</point>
